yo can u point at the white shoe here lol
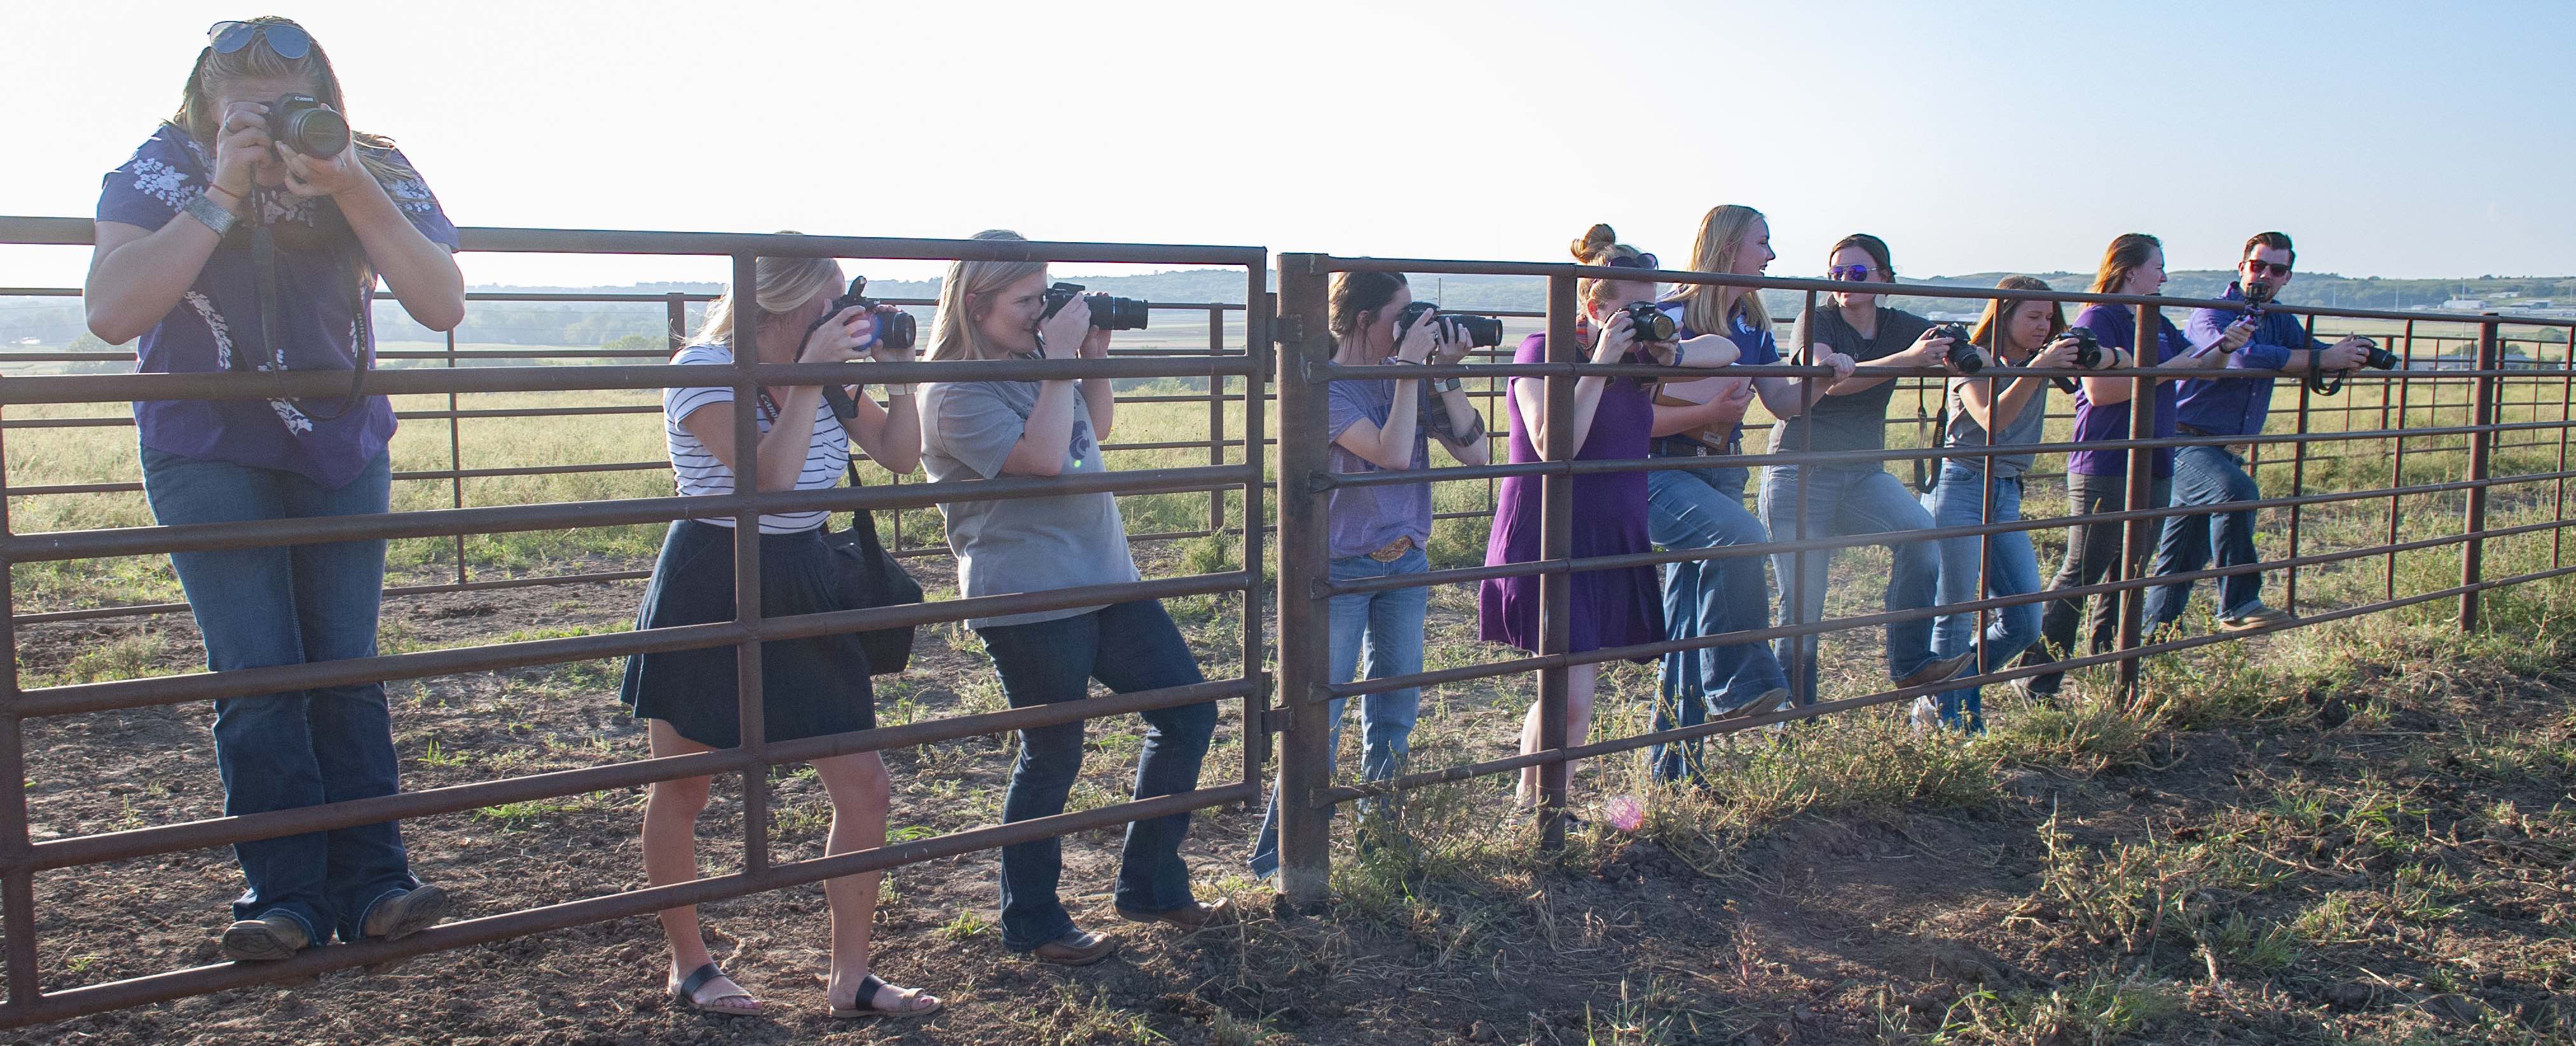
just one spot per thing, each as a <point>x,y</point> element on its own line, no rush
<point>1925,716</point>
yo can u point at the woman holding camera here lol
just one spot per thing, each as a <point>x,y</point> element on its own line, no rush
<point>2098,480</point>
<point>1857,497</point>
<point>1704,507</point>
<point>810,687</point>
<point>979,430</point>
<point>1983,412</point>
<point>1383,425</point>
<point>1605,608</point>
<point>329,213</point>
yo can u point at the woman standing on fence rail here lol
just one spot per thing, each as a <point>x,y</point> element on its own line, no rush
<point>1605,608</point>
<point>979,430</point>
<point>176,267</point>
<point>809,687</point>
<point>1704,507</point>
<point>2097,480</point>
<point>1383,425</point>
<point>1993,412</point>
<point>1859,497</point>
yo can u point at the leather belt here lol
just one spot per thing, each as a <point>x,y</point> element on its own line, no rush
<point>1394,550</point>
<point>1683,447</point>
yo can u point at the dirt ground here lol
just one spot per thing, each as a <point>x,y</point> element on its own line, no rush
<point>2073,902</point>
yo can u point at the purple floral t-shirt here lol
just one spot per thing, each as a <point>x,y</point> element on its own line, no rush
<point>219,317</point>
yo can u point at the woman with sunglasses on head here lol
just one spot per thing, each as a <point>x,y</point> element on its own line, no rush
<point>226,249</point>
<point>991,429</point>
<point>1605,608</point>
<point>1983,412</point>
<point>1704,507</point>
<point>2098,480</point>
<point>1859,497</point>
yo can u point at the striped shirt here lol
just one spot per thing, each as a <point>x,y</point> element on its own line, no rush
<point>827,454</point>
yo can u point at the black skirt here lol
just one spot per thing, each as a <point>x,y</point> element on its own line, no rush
<point>809,687</point>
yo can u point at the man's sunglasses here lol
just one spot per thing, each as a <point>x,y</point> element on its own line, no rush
<point>2264,268</point>
<point>289,41</point>
<point>1848,273</point>
<point>1633,261</point>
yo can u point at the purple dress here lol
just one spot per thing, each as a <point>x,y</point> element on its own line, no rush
<point>1609,608</point>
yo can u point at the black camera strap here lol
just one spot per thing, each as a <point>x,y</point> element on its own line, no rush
<point>362,348</point>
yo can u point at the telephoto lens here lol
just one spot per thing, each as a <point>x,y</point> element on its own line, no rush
<point>302,123</point>
<point>2377,358</point>
<point>1962,353</point>
<point>1650,323</point>
<point>1108,312</point>
<point>1483,332</point>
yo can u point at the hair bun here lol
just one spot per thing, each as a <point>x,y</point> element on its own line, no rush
<point>1594,240</point>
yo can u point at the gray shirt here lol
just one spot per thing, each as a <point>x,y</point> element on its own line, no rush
<point>1361,520</point>
<point>1018,544</point>
<point>1857,421</point>
<point>2023,430</point>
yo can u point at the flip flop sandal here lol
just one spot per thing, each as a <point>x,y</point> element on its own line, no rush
<point>686,995</point>
<point>863,1005</point>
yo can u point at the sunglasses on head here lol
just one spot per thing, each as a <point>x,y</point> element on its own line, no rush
<point>1634,261</point>
<point>289,41</point>
<point>1848,273</point>
<point>2264,268</point>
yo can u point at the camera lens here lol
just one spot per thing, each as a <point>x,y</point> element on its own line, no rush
<point>1650,323</point>
<point>895,330</point>
<point>304,124</point>
<point>1112,313</point>
<point>1962,352</point>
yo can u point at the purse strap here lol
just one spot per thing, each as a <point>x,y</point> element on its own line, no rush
<point>865,522</point>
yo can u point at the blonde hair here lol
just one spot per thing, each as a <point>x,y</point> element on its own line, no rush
<point>198,117</point>
<point>1721,240</point>
<point>953,334</point>
<point>1599,246</point>
<point>781,286</point>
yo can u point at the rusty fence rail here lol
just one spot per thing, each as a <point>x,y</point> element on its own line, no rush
<point>22,857</point>
<point>1306,588</point>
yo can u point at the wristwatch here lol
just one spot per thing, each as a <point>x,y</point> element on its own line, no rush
<point>1445,384</point>
<point>206,210</point>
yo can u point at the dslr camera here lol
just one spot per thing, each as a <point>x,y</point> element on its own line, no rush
<point>2088,349</point>
<point>1650,323</point>
<point>1483,332</point>
<point>1962,354</point>
<point>895,330</point>
<point>2377,358</point>
<point>1108,312</point>
<point>303,123</point>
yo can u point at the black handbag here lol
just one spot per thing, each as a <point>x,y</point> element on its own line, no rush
<point>874,579</point>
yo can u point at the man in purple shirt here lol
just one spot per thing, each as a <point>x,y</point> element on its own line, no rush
<point>2234,403</point>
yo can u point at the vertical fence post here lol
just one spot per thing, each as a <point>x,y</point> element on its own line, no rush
<point>1806,646</point>
<point>675,315</point>
<point>1305,861</point>
<point>1216,411</point>
<point>2136,535</point>
<point>2298,485</point>
<point>2566,414</point>
<point>455,455</point>
<point>746,576</point>
<point>2481,448</point>
<point>1555,544</point>
<point>1256,649</point>
<point>2397,454</point>
<point>17,880</point>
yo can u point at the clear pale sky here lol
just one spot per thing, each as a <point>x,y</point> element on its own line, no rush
<point>1972,135</point>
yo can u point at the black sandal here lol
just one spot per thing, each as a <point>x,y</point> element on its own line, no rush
<point>865,1004</point>
<point>686,995</point>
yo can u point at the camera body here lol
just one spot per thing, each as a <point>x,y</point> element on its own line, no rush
<point>1962,353</point>
<point>2088,349</point>
<point>1649,322</point>
<point>2377,358</point>
<point>1483,332</point>
<point>303,123</point>
<point>895,330</point>
<point>1108,312</point>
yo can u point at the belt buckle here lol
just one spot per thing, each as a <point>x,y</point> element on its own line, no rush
<point>1394,550</point>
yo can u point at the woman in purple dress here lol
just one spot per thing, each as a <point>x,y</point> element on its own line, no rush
<point>1607,608</point>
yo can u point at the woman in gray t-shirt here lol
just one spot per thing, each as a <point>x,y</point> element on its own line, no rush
<point>973,431</point>
<point>2017,410</point>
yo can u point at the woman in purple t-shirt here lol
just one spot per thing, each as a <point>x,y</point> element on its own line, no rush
<point>223,249</point>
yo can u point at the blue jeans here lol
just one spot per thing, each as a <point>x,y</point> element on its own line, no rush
<point>1376,634</point>
<point>1704,508</point>
<point>281,605</point>
<point>2207,476</point>
<point>1128,646</point>
<point>2092,551</point>
<point>1845,500</point>
<point>2011,569</point>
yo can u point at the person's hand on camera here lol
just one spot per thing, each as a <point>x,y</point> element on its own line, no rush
<point>1065,332</point>
<point>1420,340</point>
<point>1617,337</point>
<point>839,338</point>
<point>2346,354</point>
<point>1095,345</point>
<point>1452,345</point>
<point>324,176</point>
<point>242,150</point>
<point>1930,349</point>
<point>2059,352</point>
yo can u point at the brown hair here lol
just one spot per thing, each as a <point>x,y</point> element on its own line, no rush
<point>2125,255</point>
<point>1599,246</point>
<point>1871,245</point>
<point>2279,241</point>
<point>1357,293</point>
<point>1985,335</point>
<point>1721,238</point>
<point>259,61</point>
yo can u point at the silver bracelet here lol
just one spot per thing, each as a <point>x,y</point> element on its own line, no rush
<point>204,209</point>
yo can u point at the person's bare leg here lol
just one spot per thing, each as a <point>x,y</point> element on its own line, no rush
<point>671,811</point>
<point>1579,681</point>
<point>859,792</point>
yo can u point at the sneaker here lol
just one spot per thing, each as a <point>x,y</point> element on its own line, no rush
<point>2259,617</point>
<point>264,940</point>
<point>1937,671</point>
